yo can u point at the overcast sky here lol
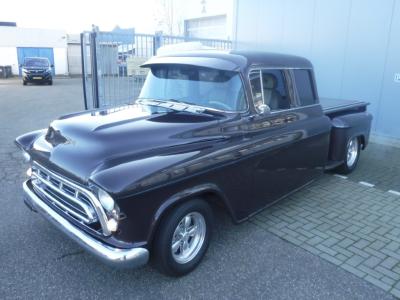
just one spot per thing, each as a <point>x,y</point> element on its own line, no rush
<point>76,16</point>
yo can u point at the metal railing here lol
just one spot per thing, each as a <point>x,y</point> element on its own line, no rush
<point>111,64</point>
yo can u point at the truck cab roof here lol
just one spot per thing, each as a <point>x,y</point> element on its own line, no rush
<point>231,60</point>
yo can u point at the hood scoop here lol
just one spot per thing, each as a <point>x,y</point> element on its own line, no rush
<point>55,138</point>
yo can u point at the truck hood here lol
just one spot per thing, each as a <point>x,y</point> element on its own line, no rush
<point>84,144</point>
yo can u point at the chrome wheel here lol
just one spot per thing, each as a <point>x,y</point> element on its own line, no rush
<point>352,152</point>
<point>188,237</point>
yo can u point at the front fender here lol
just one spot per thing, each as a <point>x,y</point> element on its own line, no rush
<point>184,195</point>
<point>142,174</point>
<point>26,140</point>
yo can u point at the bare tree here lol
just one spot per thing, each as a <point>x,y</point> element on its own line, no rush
<point>164,16</point>
<point>167,17</point>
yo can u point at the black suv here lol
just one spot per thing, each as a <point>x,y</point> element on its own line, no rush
<point>37,69</point>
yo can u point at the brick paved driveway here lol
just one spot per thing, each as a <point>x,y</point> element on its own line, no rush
<point>379,166</point>
<point>349,231</point>
<point>348,224</point>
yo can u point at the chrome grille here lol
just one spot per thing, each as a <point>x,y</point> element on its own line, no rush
<point>63,194</point>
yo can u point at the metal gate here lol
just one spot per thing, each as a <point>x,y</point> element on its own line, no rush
<point>111,63</point>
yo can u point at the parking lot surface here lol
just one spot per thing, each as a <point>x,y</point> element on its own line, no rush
<point>335,239</point>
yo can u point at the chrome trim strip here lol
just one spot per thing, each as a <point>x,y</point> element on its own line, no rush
<point>116,257</point>
<point>93,199</point>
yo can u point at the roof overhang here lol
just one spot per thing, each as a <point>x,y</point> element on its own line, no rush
<point>207,62</point>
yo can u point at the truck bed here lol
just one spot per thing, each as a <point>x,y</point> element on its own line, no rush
<point>333,106</point>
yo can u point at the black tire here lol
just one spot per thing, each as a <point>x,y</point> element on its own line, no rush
<point>51,82</point>
<point>162,247</point>
<point>349,166</point>
<point>23,82</point>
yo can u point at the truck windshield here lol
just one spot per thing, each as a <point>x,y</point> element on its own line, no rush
<point>212,88</point>
<point>36,62</point>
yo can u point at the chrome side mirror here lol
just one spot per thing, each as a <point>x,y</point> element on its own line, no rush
<point>264,109</point>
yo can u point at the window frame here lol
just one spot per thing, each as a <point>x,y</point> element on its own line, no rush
<point>292,92</point>
<point>288,81</point>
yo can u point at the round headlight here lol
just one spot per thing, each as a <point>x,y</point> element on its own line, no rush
<point>106,200</point>
<point>112,225</point>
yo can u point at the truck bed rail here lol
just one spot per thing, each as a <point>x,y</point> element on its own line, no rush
<point>330,105</point>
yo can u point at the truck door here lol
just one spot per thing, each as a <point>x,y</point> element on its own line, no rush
<point>290,141</point>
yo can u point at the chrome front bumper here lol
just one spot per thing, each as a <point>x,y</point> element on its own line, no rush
<point>117,257</point>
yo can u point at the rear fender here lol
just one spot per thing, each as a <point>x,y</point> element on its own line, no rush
<point>346,127</point>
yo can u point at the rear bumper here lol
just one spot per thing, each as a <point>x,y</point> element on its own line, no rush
<point>116,257</point>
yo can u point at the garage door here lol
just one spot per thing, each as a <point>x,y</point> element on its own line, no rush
<point>213,27</point>
<point>74,59</point>
<point>34,52</point>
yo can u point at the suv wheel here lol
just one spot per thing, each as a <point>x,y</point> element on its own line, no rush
<point>183,238</point>
<point>352,155</point>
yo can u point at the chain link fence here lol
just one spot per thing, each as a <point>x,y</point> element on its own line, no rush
<point>111,63</point>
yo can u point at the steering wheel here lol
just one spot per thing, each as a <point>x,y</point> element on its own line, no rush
<point>220,105</point>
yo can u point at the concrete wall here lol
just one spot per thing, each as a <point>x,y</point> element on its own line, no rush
<point>32,37</point>
<point>60,60</point>
<point>8,56</point>
<point>13,37</point>
<point>353,44</point>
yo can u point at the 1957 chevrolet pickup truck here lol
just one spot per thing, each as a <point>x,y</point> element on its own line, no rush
<point>236,129</point>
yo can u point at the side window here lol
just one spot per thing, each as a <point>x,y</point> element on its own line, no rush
<point>269,88</point>
<point>274,90</point>
<point>304,87</point>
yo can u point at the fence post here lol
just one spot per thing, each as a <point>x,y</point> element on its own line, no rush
<point>93,60</point>
<point>157,41</point>
<point>83,56</point>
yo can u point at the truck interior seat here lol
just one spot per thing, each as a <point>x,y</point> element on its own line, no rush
<point>271,95</point>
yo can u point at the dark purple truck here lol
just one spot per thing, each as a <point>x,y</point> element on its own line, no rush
<point>239,130</point>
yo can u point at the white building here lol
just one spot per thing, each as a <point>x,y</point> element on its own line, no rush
<point>17,43</point>
<point>196,18</point>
